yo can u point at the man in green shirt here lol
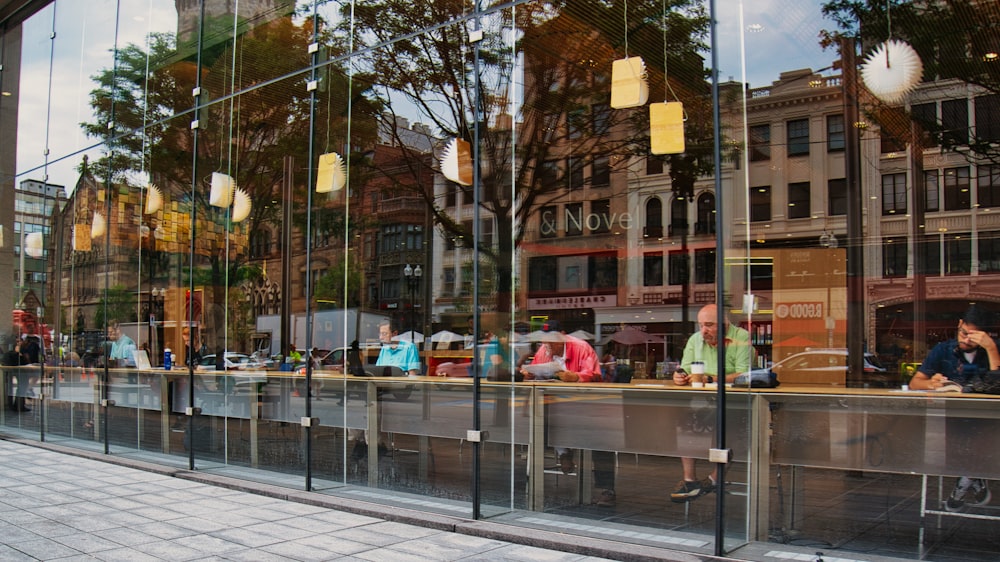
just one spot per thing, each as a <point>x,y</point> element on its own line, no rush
<point>702,347</point>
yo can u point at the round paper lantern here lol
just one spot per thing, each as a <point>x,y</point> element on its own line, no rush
<point>891,70</point>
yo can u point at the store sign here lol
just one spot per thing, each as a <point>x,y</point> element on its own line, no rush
<point>586,301</point>
<point>597,222</point>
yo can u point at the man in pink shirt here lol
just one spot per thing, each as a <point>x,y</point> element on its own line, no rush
<point>580,364</point>
<point>580,360</point>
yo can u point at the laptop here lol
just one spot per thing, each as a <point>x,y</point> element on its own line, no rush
<point>384,371</point>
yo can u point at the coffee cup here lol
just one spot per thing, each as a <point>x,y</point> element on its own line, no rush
<point>698,371</point>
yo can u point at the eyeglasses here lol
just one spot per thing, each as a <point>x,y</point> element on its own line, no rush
<point>963,332</point>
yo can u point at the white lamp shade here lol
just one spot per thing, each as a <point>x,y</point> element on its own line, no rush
<point>628,83</point>
<point>332,174</point>
<point>222,190</point>
<point>241,206</point>
<point>1,236</point>
<point>456,162</point>
<point>33,245</point>
<point>154,199</point>
<point>99,226</point>
<point>891,70</point>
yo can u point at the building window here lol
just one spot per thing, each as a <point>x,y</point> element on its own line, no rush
<point>450,195</point>
<point>989,252</point>
<point>576,123</point>
<point>542,273</point>
<point>835,140</point>
<point>955,122</point>
<point>929,248</point>
<point>448,284</point>
<point>600,171</point>
<point>704,266</point>
<point>798,200</point>
<point>601,113</point>
<point>988,118</point>
<point>894,260</point>
<point>760,203</point>
<point>760,143</point>
<point>958,254</point>
<point>600,212</point>
<point>988,186</point>
<point>654,165</point>
<point>893,194</point>
<point>574,219</point>
<point>957,195</point>
<point>574,173</point>
<point>705,211</point>
<point>652,269</point>
<point>932,191</point>
<point>548,175</point>
<point>890,132</point>
<point>925,114</point>
<point>603,271</point>
<point>798,137</point>
<point>654,219</point>
<point>677,263</point>
<point>836,197</point>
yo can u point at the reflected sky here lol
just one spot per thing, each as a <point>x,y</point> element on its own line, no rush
<point>778,36</point>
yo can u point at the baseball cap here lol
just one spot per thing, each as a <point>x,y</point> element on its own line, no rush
<point>551,326</point>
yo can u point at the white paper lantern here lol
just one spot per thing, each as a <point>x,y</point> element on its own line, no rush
<point>241,206</point>
<point>33,245</point>
<point>222,190</point>
<point>891,70</point>
<point>456,162</point>
<point>154,199</point>
<point>99,226</point>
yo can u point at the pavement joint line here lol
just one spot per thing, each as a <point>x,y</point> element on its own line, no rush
<point>563,542</point>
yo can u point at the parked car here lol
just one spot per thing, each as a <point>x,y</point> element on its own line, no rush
<point>829,366</point>
<point>234,362</point>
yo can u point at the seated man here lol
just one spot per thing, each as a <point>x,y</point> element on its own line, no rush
<point>959,360</point>
<point>577,362</point>
<point>402,354</point>
<point>702,346</point>
<point>123,348</point>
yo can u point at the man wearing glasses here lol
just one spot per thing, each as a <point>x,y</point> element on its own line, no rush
<point>960,360</point>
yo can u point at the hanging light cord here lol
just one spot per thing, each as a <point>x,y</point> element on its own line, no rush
<point>625,25</point>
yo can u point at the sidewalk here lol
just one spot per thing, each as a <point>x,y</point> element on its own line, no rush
<point>63,504</point>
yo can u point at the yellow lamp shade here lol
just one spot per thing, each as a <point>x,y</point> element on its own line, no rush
<point>241,206</point>
<point>332,174</point>
<point>666,128</point>
<point>154,199</point>
<point>628,83</point>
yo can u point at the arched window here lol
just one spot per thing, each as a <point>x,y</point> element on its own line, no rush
<point>654,219</point>
<point>260,243</point>
<point>706,214</point>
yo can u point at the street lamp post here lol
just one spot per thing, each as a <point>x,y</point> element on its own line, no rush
<point>412,276</point>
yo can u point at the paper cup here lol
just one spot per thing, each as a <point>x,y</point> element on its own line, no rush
<point>697,368</point>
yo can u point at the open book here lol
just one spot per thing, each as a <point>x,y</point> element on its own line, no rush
<point>948,386</point>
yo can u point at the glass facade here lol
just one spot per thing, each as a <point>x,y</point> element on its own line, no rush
<point>231,219</point>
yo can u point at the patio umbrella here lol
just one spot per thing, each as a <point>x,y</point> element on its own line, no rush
<point>583,335</point>
<point>631,336</point>
<point>410,336</point>
<point>447,336</point>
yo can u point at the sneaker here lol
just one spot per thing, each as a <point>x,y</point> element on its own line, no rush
<point>686,491</point>
<point>980,492</point>
<point>606,499</point>
<point>956,500</point>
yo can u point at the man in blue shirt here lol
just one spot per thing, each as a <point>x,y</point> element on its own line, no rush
<point>402,354</point>
<point>959,360</point>
<point>122,346</point>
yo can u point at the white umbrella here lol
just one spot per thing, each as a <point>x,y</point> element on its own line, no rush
<point>583,335</point>
<point>410,336</point>
<point>447,336</point>
<point>537,335</point>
